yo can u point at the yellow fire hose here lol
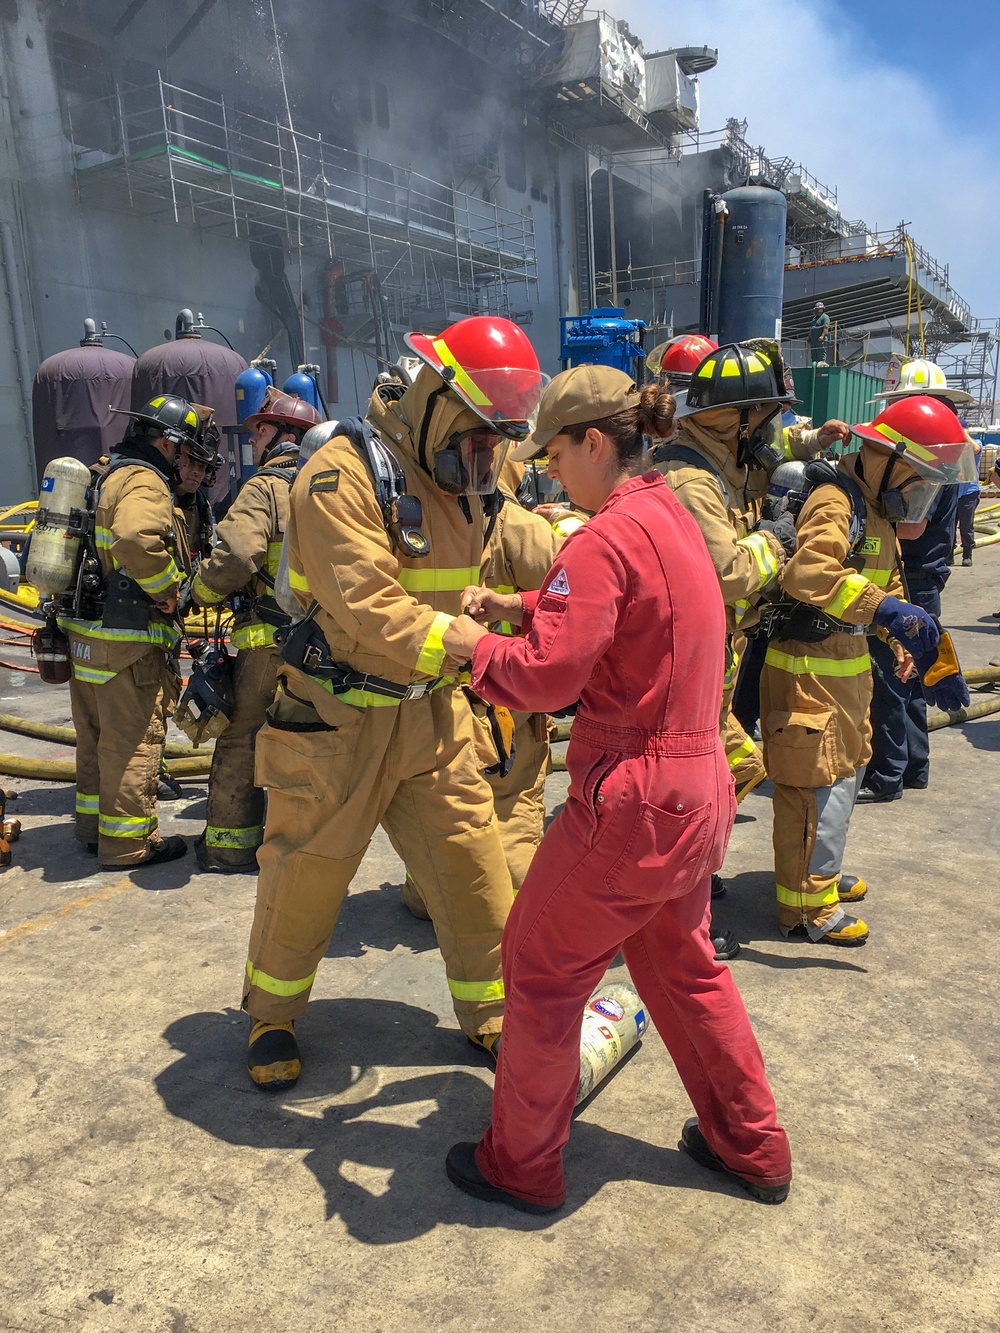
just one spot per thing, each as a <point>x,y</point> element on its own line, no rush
<point>64,770</point>
<point>44,731</point>
<point>935,721</point>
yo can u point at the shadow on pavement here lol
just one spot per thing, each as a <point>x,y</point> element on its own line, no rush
<point>748,910</point>
<point>375,1141</point>
<point>378,918</point>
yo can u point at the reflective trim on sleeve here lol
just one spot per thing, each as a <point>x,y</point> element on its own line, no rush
<point>767,562</point>
<point>87,805</point>
<point>565,527</point>
<point>438,580</point>
<point>273,556</point>
<point>851,588</point>
<point>742,752</point>
<point>298,582</point>
<point>476,992</point>
<point>234,837</point>
<point>880,577</point>
<point>786,443</point>
<point>432,654</point>
<point>103,538</point>
<point>276,987</point>
<point>740,609</point>
<point>126,826</point>
<point>818,666</point>
<point>203,593</point>
<point>160,582</point>
<point>794,898</point>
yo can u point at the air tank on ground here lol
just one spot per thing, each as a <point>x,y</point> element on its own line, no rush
<point>72,397</point>
<point>195,369</point>
<point>746,267</point>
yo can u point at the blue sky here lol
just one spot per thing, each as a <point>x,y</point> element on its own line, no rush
<point>894,106</point>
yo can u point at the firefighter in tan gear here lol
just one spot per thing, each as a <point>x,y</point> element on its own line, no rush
<point>124,644</point>
<point>194,475</point>
<point>369,725</point>
<point>244,561</point>
<point>841,584</point>
<point>716,465</point>
<point>520,553</point>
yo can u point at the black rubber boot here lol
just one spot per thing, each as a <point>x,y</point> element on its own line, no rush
<point>868,796</point>
<point>273,1056</point>
<point>693,1143</point>
<point>218,861</point>
<point>725,943</point>
<point>719,887</point>
<point>460,1165</point>
<point>490,1043</point>
<point>168,849</point>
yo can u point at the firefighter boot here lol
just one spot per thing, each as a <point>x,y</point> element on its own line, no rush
<point>462,1170</point>
<point>488,1042</point>
<point>694,1144</point>
<point>851,889</point>
<point>845,930</point>
<point>273,1055</point>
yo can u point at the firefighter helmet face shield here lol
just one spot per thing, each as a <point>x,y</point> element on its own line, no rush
<point>491,366</point>
<point>470,463</point>
<point>926,434</point>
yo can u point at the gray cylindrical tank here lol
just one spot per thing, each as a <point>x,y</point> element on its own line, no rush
<point>753,264</point>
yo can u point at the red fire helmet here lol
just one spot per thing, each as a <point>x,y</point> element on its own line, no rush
<point>925,433</point>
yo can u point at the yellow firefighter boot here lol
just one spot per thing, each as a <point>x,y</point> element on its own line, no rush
<point>851,889</point>
<point>852,930</point>
<point>273,1055</point>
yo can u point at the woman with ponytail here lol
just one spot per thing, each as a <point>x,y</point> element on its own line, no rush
<point>630,622</point>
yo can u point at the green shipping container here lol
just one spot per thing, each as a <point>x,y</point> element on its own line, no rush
<point>830,392</point>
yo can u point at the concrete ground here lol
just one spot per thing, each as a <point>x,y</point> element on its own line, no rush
<point>147,1185</point>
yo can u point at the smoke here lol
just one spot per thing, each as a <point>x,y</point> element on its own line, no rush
<point>814,88</point>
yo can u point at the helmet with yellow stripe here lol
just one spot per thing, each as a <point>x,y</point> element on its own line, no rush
<point>925,377</point>
<point>926,434</point>
<point>490,364</point>
<point>735,376</point>
<point>168,416</point>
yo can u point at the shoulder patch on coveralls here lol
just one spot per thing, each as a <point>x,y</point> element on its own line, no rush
<point>559,585</point>
<point>325,481</point>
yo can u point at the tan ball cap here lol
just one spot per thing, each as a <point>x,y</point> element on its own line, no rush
<point>573,397</point>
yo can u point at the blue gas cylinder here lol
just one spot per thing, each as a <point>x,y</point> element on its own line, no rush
<point>303,385</point>
<point>602,337</point>
<point>251,386</point>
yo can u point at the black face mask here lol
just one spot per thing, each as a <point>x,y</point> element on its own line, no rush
<point>449,472</point>
<point>755,449</point>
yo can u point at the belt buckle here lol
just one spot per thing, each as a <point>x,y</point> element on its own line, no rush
<point>416,691</point>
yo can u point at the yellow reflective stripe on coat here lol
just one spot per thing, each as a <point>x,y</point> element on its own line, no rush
<point>234,837</point>
<point>254,635</point>
<point>126,826</point>
<point>160,582</point>
<point>741,752</point>
<point>438,580</point>
<point>740,609</point>
<point>87,805</point>
<point>795,898</point>
<point>276,987</point>
<point>203,593</point>
<point>369,699</point>
<point>767,561</point>
<point>432,654</point>
<point>298,582</point>
<point>852,588</point>
<point>818,666</point>
<point>786,443</point>
<point>159,633</point>
<point>565,527</point>
<point>504,626</point>
<point>880,577</point>
<point>476,992</point>
<point>273,557</point>
<point>103,538</point>
<point>92,675</point>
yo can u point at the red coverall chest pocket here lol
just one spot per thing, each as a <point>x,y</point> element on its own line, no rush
<point>665,855</point>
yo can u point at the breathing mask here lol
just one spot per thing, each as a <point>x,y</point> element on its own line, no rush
<point>470,462</point>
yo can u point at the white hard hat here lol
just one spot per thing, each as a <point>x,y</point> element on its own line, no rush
<point>919,376</point>
<point>819,306</point>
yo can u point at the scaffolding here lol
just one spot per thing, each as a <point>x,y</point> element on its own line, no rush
<point>974,367</point>
<point>188,158</point>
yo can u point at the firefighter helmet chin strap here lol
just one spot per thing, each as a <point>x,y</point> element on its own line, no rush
<point>425,426</point>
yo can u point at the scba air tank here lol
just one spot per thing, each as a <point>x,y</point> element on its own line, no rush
<point>303,384</point>
<point>613,1022</point>
<point>251,386</point>
<point>55,538</point>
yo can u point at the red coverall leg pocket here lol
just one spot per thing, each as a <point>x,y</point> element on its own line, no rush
<point>665,854</point>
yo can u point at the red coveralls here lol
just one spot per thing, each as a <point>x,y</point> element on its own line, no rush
<point>631,622</point>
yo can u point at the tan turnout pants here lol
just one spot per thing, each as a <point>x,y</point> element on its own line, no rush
<point>120,729</point>
<point>235,820</point>
<point>414,769</point>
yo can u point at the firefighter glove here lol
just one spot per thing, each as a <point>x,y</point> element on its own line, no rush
<point>783,528</point>
<point>910,626</point>
<point>949,694</point>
